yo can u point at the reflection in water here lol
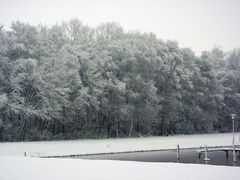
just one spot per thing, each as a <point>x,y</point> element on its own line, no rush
<point>186,156</point>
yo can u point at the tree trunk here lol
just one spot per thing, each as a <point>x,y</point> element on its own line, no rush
<point>100,125</point>
<point>117,129</point>
<point>163,126</point>
<point>44,126</point>
<point>131,128</point>
<point>22,133</point>
<point>108,127</point>
<point>138,125</point>
<point>36,132</point>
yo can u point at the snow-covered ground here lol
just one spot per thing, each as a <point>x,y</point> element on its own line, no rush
<point>13,166</point>
<point>27,168</point>
<point>79,147</point>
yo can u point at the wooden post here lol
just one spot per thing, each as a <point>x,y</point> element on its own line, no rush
<point>199,155</point>
<point>233,143</point>
<point>234,154</point>
<point>206,156</point>
<point>178,152</point>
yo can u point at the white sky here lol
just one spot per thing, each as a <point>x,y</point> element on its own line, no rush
<point>198,24</point>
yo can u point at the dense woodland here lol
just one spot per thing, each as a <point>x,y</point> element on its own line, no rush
<point>72,81</point>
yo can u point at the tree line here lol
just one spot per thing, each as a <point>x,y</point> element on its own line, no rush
<point>72,81</point>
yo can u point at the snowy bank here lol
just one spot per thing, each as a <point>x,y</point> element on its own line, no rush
<point>81,147</point>
<point>27,168</point>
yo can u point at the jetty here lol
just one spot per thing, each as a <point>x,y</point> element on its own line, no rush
<point>225,149</point>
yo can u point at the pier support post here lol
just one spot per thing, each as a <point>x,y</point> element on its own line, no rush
<point>233,143</point>
<point>234,154</point>
<point>226,154</point>
<point>178,152</point>
<point>199,155</point>
<point>206,156</point>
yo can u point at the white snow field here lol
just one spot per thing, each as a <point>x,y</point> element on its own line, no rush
<point>30,168</point>
<point>80,147</point>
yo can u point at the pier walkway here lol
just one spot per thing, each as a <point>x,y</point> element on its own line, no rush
<point>225,149</point>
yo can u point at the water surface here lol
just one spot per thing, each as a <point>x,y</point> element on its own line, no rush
<point>186,156</point>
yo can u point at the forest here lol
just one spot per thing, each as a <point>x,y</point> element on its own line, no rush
<point>72,81</point>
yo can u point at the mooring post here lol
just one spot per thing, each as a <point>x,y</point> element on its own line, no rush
<point>206,156</point>
<point>25,154</point>
<point>178,152</point>
<point>234,154</point>
<point>233,143</point>
<point>199,155</point>
<point>227,154</point>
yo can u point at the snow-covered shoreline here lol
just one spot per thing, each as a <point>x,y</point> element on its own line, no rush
<point>28,168</point>
<point>84,147</point>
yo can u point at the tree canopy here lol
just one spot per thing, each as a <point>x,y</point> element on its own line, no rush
<point>72,81</point>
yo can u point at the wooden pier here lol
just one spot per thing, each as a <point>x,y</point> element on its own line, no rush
<point>226,150</point>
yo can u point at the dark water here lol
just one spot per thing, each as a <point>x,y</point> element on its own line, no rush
<point>186,156</point>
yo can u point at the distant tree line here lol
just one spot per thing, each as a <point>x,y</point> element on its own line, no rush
<point>71,81</point>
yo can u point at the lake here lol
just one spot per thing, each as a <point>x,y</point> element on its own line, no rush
<point>186,156</point>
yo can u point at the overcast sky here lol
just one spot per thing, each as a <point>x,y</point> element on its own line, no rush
<point>198,24</point>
